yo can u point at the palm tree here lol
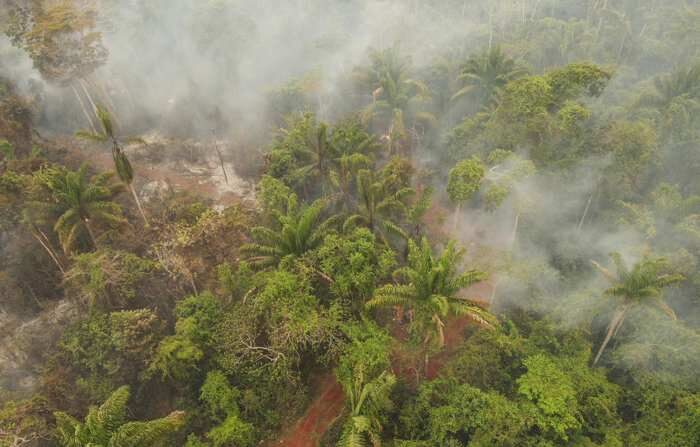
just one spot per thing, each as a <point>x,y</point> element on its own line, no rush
<point>80,201</point>
<point>316,155</point>
<point>377,206</point>
<point>322,160</point>
<point>296,232</point>
<point>487,73</point>
<point>328,158</point>
<point>367,401</point>
<point>444,77</point>
<point>684,82</point>
<point>353,150</point>
<point>347,167</point>
<point>641,286</point>
<point>393,91</point>
<point>417,211</point>
<point>675,96</point>
<point>122,164</point>
<point>106,426</point>
<point>429,286</point>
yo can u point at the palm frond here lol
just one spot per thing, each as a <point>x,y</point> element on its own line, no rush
<point>470,277</point>
<point>352,221</point>
<point>106,121</point>
<point>605,272</point>
<point>476,313</point>
<point>143,434</point>
<point>665,308</point>
<point>394,229</point>
<point>390,295</point>
<point>91,136</point>
<point>112,413</point>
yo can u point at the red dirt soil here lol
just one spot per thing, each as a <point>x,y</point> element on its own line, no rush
<point>101,159</point>
<point>328,407</point>
<point>318,418</point>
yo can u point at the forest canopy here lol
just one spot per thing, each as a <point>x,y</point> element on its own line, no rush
<point>230,223</point>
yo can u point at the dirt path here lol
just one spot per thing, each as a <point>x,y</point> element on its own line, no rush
<point>318,418</point>
<point>328,406</point>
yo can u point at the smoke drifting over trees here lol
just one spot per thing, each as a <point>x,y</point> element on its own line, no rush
<point>302,179</point>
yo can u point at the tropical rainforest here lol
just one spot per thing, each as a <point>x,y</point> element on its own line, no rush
<point>400,223</point>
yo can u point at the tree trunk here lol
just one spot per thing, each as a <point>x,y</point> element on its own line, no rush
<point>138,203</point>
<point>108,100</point>
<point>193,284</point>
<point>622,47</point>
<point>49,250</point>
<point>644,29</point>
<point>91,233</point>
<point>427,364</point>
<point>514,234</point>
<point>221,160</point>
<point>490,29</point>
<point>84,109</point>
<point>515,231</point>
<point>585,212</point>
<point>33,294</point>
<point>455,222</point>
<point>87,94</point>
<point>597,32</point>
<point>589,11</point>
<point>534,10</point>
<point>612,329</point>
<point>492,300</point>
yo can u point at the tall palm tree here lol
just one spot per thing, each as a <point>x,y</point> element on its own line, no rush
<point>487,73</point>
<point>387,77</point>
<point>676,97</point>
<point>317,156</point>
<point>377,206</point>
<point>428,288</point>
<point>106,426</point>
<point>641,286</point>
<point>444,77</point>
<point>122,165</point>
<point>80,201</point>
<point>367,401</point>
<point>347,167</point>
<point>393,92</point>
<point>417,211</point>
<point>353,149</point>
<point>297,231</point>
<point>684,82</point>
<point>328,158</point>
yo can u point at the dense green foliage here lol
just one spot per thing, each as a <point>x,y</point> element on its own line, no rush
<point>335,292</point>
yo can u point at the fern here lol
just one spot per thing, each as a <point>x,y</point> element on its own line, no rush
<point>147,434</point>
<point>106,426</point>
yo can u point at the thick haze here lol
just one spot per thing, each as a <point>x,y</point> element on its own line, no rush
<point>180,59</point>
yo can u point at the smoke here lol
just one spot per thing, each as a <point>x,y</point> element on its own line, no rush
<point>178,61</point>
<point>172,63</point>
<point>188,68</point>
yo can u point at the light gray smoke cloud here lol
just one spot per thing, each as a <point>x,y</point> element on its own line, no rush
<point>174,63</point>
